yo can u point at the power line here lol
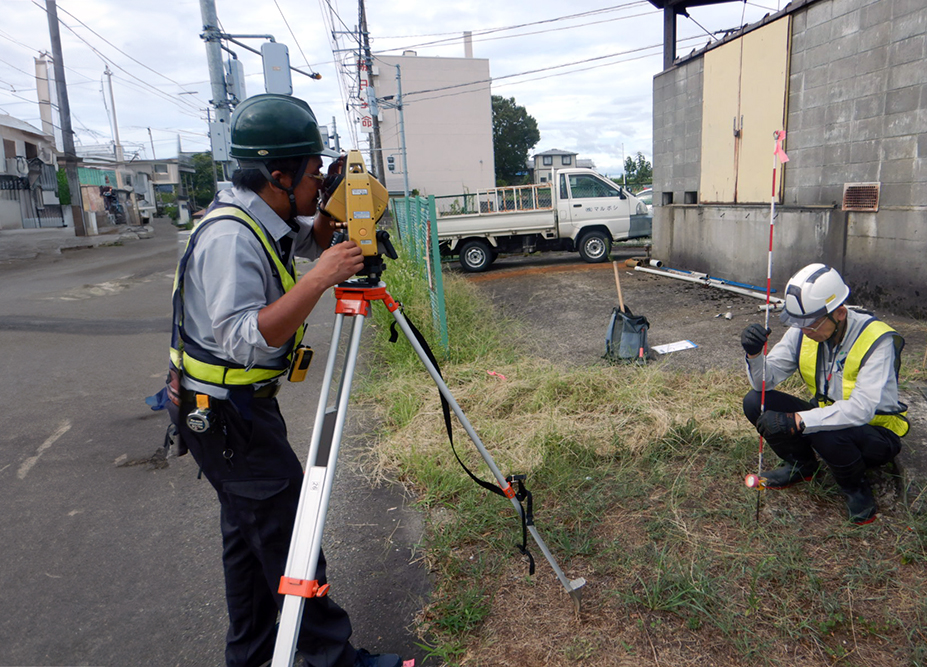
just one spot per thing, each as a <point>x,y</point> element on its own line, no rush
<point>176,101</point>
<point>567,17</point>
<point>293,35</point>
<point>551,76</point>
<point>541,32</point>
<point>113,45</point>
<point>534,71</point>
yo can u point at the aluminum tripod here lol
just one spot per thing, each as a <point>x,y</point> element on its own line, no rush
<point>354,299</point>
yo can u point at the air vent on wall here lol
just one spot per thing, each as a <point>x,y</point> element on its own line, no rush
<point>861,196</point>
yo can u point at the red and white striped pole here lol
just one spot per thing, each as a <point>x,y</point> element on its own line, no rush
<point>779,155</point>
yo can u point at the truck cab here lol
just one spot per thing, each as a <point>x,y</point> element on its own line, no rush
<point>593,211</point>
<point>578,209</point>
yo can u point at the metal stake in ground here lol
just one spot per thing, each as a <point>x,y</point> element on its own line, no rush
<point>757,481</point>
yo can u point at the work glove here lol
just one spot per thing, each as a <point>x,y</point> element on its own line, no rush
<point>753,338</point>
<point>775,426</point>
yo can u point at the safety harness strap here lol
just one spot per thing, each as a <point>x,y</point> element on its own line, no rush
<point>197,362</point>
<point>523,496</point>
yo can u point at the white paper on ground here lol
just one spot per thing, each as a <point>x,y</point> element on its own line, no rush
<point>674,347</point>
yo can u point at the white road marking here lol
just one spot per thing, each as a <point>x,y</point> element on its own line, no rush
<point>32,460</point>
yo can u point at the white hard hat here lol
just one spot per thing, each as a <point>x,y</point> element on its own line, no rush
<point>812,293</point>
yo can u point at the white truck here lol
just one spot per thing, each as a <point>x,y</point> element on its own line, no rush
<point>577,210</point>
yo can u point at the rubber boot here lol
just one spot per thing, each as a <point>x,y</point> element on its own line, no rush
<point>861,505</point>
<point>793,472</point>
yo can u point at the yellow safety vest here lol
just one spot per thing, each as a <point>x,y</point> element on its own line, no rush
<point>199,364</point>
<point>873,332</point>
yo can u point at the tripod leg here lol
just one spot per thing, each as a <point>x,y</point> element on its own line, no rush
<point>306,541</point>
<point>572,587</point>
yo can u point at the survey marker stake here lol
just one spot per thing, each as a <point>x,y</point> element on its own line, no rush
<point>757,481</point>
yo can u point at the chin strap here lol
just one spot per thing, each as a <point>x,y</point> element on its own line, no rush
<point>840,328</point>
<point>290,191</point>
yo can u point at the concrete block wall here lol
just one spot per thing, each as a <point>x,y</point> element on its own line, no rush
<point>857,112</point>
<point>677,130</point>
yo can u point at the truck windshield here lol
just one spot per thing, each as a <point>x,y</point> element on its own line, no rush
<point>584,186</point>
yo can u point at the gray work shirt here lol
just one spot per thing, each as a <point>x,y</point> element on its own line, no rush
<point>229,279</point>
<point>876,385</point>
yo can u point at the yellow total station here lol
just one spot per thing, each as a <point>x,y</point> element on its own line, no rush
<point>360,200</point>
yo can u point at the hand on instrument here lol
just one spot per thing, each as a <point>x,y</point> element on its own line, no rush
<point>775,426</point>
<point>340,262</point>
<point>753,339</point>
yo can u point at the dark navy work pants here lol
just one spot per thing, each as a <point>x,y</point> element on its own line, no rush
<point>874,445</point>
<point>257,477</point>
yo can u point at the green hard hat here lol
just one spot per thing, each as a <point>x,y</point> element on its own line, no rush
<point>266,127</point>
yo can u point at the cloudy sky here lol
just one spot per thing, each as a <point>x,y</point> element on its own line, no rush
<point>583,70</point>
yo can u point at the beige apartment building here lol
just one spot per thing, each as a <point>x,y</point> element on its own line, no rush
<point>447,110</point>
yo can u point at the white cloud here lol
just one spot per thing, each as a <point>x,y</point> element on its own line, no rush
<point>591,108</point>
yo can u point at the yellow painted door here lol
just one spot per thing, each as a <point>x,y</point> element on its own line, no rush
<point>743,104</point>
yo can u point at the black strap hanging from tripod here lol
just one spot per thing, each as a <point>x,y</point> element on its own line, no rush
<point>522,495</point>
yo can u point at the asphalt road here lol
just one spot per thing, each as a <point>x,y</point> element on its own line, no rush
<point>109,558</point>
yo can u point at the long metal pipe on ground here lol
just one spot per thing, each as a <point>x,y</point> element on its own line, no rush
<point>710,282</point>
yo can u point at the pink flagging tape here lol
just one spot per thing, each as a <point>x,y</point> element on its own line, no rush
<point>780,152</point>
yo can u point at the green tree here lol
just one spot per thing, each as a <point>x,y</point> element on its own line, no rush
<point>638,171</point>
<point>64,190</point>
<point>204,179</point>
<point>514,134</point>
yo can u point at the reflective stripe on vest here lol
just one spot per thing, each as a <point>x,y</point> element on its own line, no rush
<point>873,332</point>
<point>209,369</point>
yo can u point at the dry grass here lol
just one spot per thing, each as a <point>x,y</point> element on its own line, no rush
<point>638,482</point>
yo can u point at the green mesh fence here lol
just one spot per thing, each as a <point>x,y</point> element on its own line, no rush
<point>417,224</point>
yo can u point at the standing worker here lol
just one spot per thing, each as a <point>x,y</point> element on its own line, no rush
<point>239,312</point>
<point>850,362</point>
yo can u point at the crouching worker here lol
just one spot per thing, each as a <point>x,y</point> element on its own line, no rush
<point>850,362</point>
<point>239,309</point>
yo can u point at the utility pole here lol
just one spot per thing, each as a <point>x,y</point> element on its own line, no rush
<point>120,157</point>
<point>220,99</point>
<point>43,92</point>
<point>67,136</point>
<point>335,137</point>
<point>402,136</point>
<point>376,147</point>
<point>151,139</point>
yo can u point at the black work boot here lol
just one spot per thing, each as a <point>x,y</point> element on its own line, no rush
<point>791,473</point>
<point>861,505</point>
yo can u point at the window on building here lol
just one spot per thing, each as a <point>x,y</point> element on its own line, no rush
<point>31,151</point>
<point>566,160</point>
<point>9,148</point>
<point>547,160</point>
<point>160,168</point>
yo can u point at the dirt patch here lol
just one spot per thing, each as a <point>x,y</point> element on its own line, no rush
<point>564,306</point>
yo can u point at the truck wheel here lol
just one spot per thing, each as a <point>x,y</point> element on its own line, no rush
<point>595,246</point>
<point>475,255</point>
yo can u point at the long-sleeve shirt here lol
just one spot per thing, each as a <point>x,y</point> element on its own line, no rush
<point>876,385</point>
<point>229,279</point>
